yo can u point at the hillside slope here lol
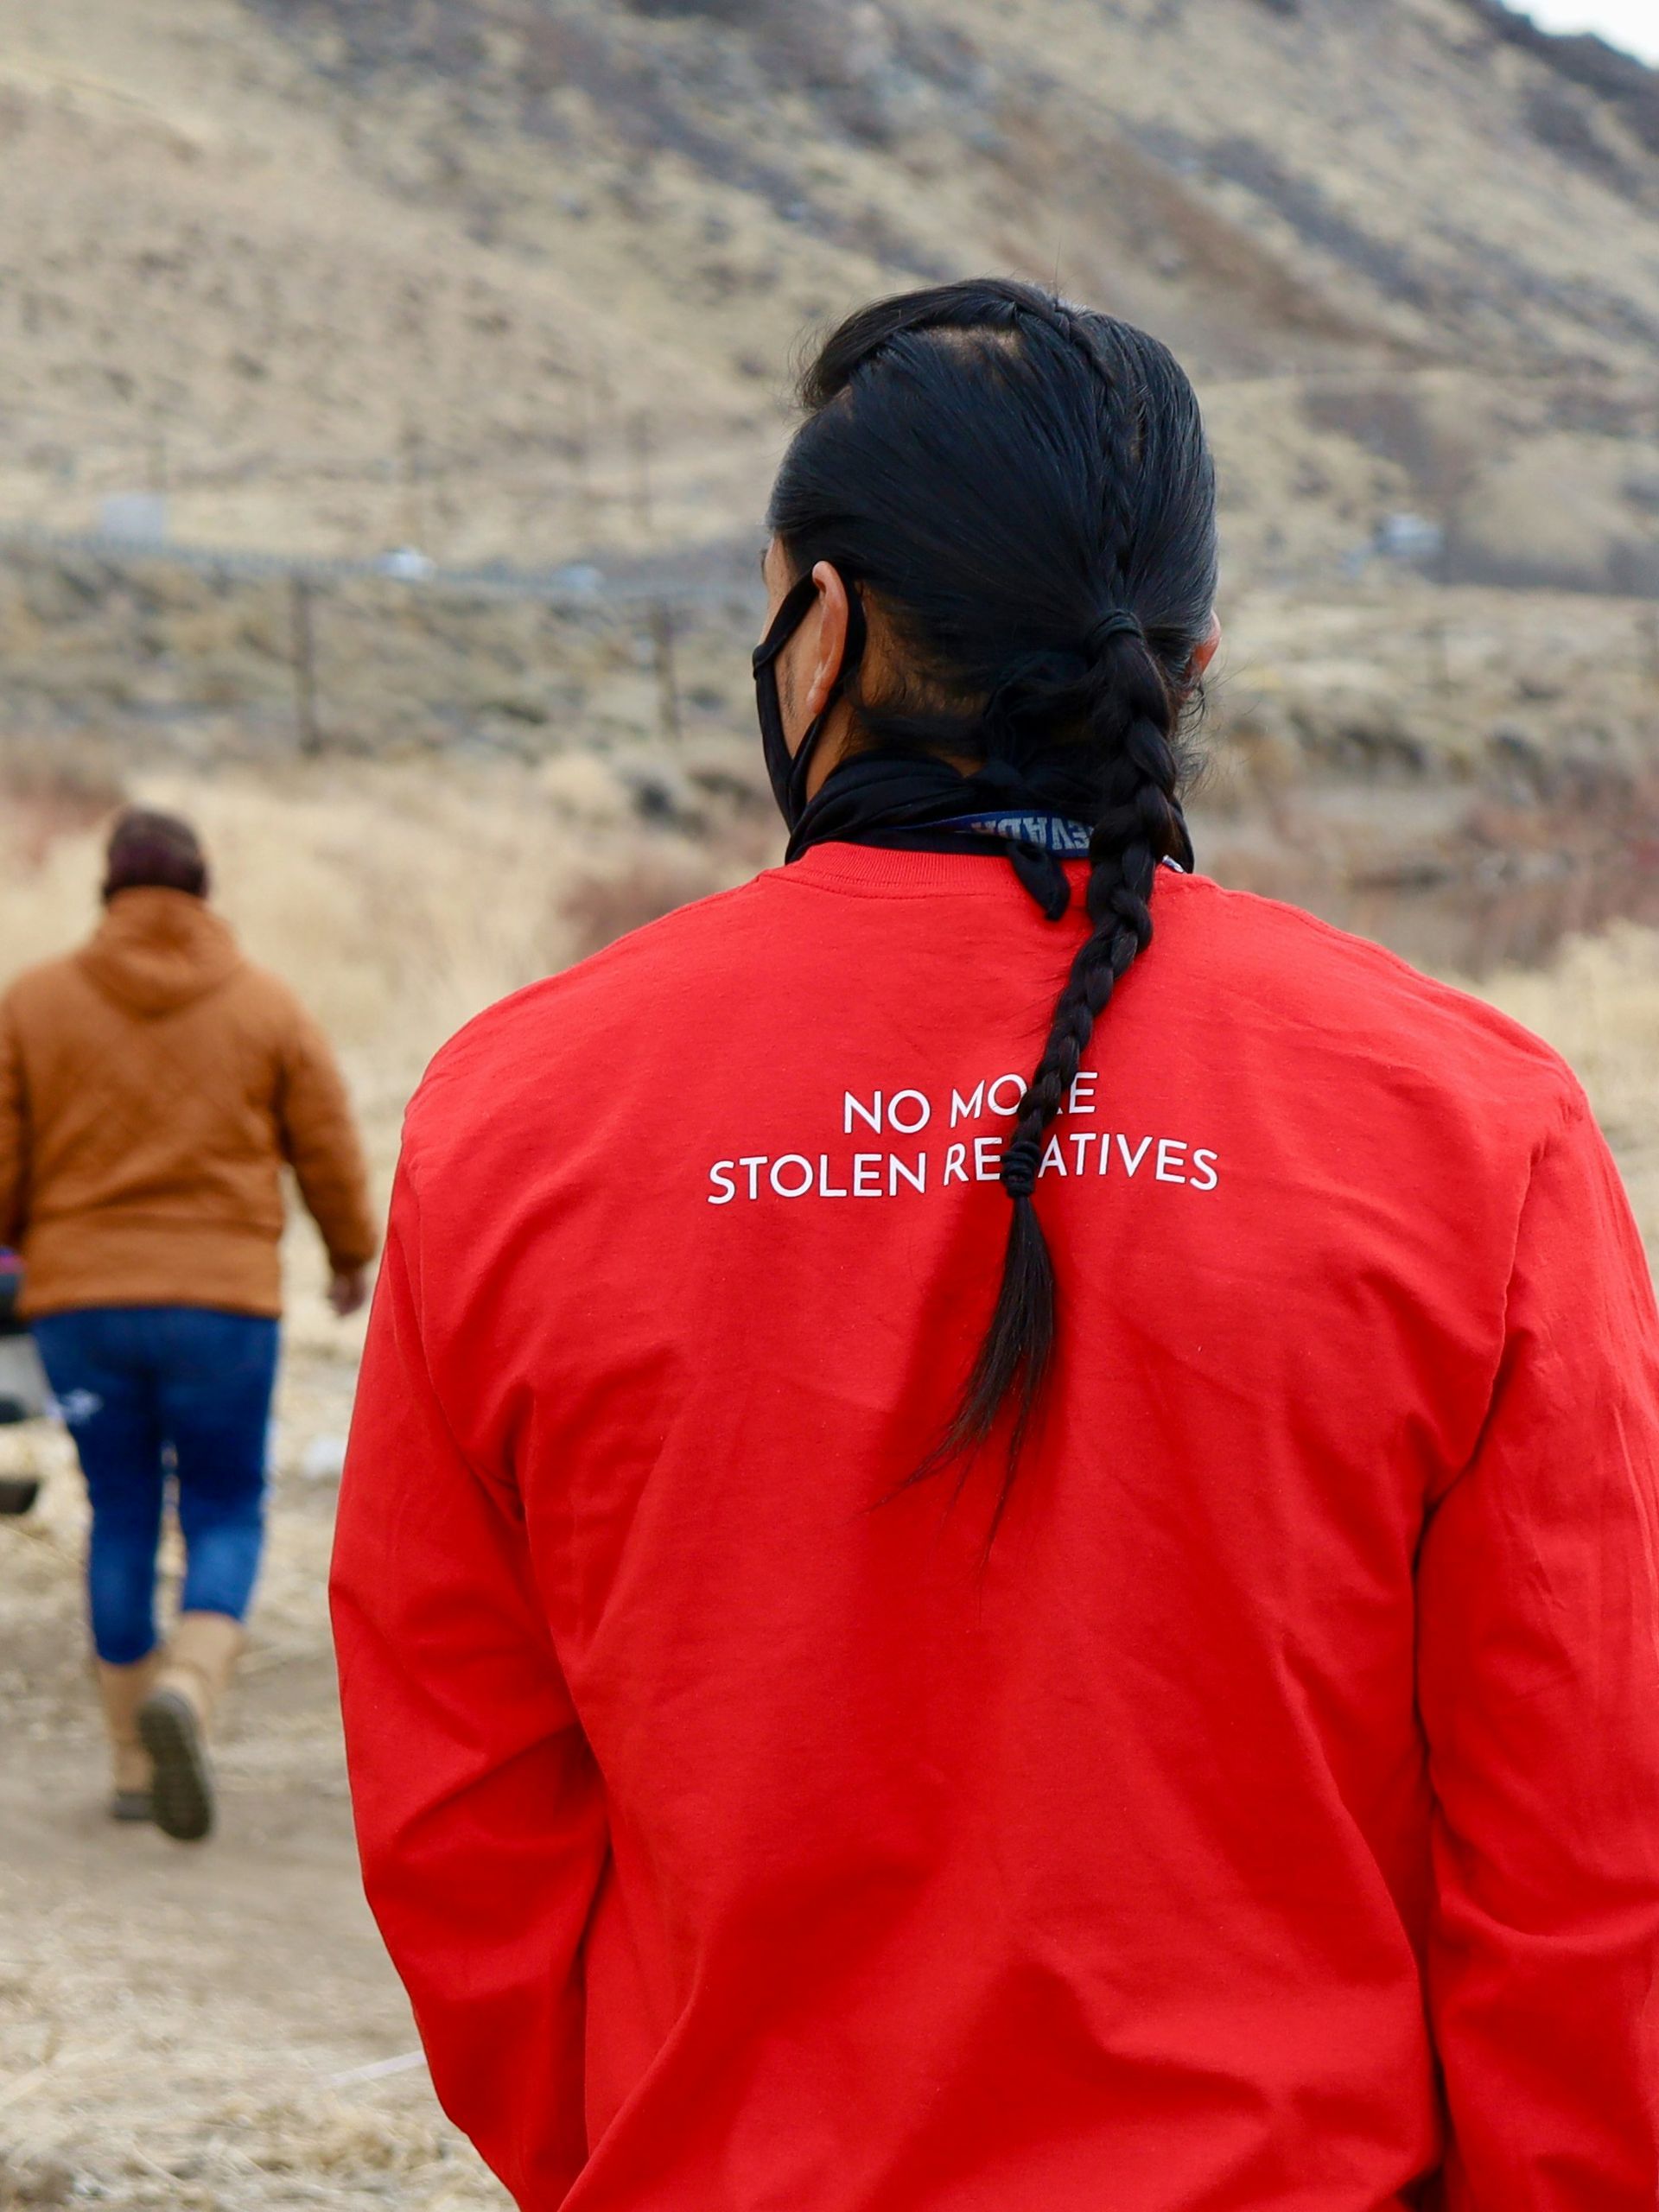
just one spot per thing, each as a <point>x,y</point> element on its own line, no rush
<point>517,278</point>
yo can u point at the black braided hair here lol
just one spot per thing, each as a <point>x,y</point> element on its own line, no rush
<point>1141,826</point>
<point>1023,488</point>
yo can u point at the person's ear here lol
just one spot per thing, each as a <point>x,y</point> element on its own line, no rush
<point>831,641</point>
<point>1206,649</point>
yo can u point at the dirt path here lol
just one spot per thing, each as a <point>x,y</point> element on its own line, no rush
<point>174,2022</point>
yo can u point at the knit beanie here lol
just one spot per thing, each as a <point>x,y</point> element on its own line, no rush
<point>148,847</point>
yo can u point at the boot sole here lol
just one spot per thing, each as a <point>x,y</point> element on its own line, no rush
<point>182,1792</point>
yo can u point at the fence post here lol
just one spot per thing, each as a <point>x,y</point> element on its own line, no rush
<point>640,439</point>
<point>668,688</point>
<point>579,437</point>
<point>414,514</point>
<point>304,662</point>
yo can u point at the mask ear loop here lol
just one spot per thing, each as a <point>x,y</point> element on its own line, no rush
<point>791,612</point>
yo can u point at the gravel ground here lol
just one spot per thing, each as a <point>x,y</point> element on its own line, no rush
<point>189,2027</point>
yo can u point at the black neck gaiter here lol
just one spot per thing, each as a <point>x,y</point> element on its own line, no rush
<point>1025,804</point>
<point>917,803</point>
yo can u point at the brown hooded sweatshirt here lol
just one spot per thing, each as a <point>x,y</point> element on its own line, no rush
<point>151,1087</point>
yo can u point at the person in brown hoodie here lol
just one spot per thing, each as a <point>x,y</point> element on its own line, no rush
<point>152,1087</point>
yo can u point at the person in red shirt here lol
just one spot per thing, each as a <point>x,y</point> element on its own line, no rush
<point>999,1548</point>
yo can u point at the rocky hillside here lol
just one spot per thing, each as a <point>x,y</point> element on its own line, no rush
<point>518,278</point>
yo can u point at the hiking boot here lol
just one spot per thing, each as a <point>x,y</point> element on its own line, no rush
<point>122,1690</point>
<point>174,1720</point>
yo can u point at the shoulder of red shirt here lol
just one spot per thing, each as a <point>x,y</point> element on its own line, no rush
<point>1301,972</point>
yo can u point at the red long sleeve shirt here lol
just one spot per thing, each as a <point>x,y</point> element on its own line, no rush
<point>1273,1823</point>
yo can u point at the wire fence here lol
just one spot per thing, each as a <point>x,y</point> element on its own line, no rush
<point>654,605</point>
<point>569,584</point>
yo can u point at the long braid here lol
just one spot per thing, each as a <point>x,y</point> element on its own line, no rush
<point>1141,826</point>
<point>1132,719</point>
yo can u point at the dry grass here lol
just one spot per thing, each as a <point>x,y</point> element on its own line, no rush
<point>1598,1003</point>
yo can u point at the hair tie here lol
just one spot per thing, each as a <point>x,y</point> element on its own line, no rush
<point>1120,623</point>
<point>1019,1164</point>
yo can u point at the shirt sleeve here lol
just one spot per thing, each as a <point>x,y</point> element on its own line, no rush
<point>14,1132</point>
<point>479,1811</point>
<point>1538,1683</point>
<point>320,1142</point>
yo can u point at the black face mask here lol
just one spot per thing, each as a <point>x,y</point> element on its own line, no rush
<point>788,773</point>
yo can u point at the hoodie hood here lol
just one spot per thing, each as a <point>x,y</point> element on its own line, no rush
<point>155,950</point>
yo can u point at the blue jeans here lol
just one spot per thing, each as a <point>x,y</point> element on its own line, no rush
<point>150,1389</point>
